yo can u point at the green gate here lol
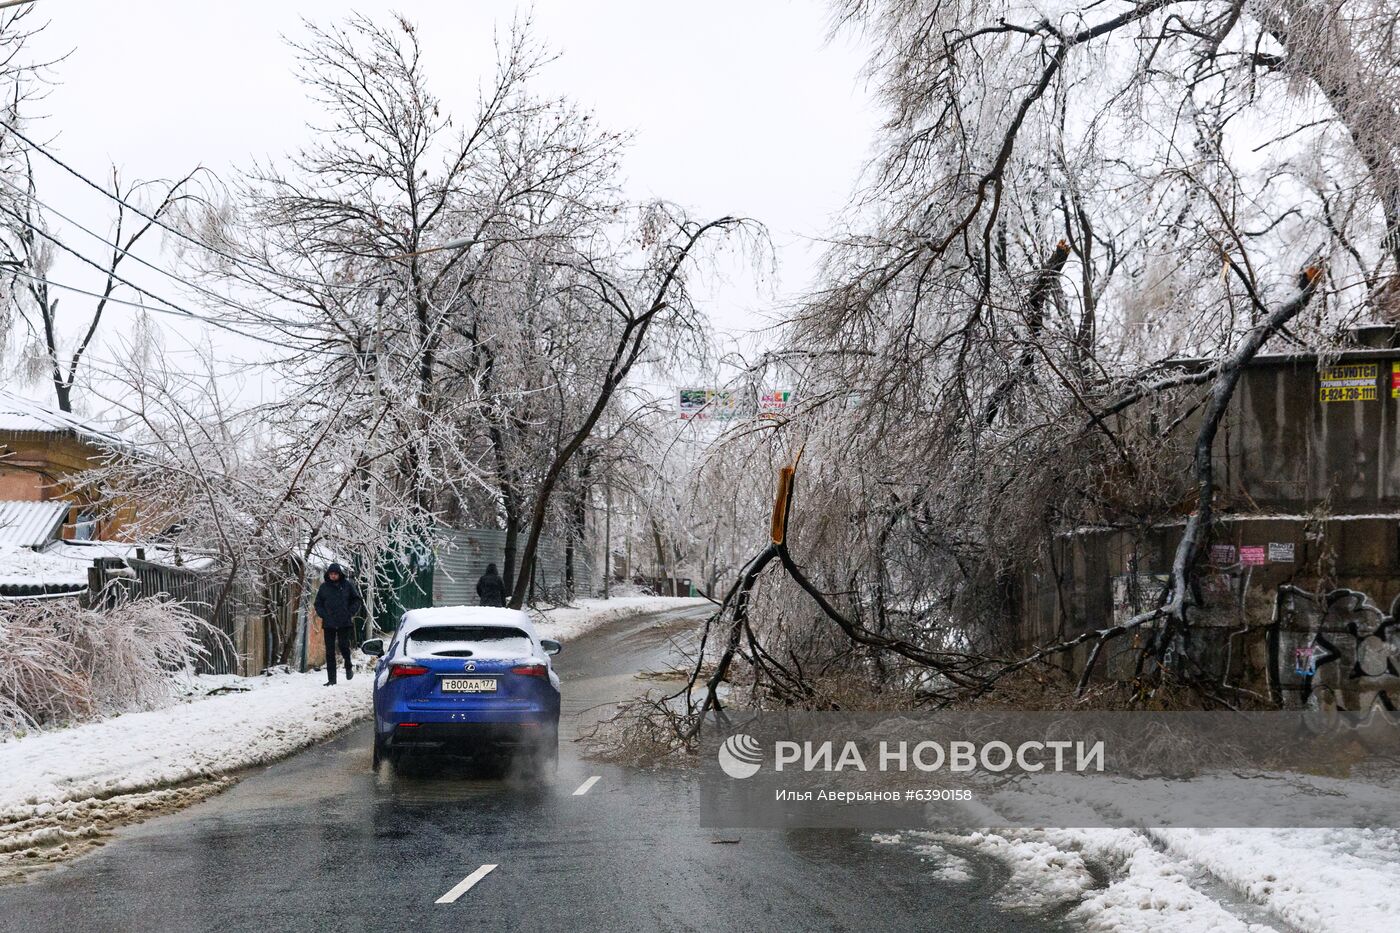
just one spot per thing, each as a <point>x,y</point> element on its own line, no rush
<point>403,581</point>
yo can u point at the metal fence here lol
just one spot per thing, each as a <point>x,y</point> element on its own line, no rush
<point>463,553</point>
<point>237,639</point>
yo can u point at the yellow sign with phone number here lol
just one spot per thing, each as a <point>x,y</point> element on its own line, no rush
<point>1353,383</point>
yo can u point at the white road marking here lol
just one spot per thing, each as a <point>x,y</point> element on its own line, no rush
<point>587,785</point>
<point>465,885</point>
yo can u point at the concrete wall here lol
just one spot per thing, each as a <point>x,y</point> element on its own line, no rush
<point>1309,498</point>
<point>1336,651</point>
<point>1094,578</point>
<point>1286,450</point>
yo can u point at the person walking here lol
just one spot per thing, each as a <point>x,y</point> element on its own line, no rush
<point>491,589</point>
<point>338,602</point>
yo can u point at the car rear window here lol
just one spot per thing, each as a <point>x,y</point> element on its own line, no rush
<point>466,633</point>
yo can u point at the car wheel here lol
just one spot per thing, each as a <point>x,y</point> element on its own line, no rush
<point>378,751</point>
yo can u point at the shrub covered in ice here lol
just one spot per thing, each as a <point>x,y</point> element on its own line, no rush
<point>61,662</point>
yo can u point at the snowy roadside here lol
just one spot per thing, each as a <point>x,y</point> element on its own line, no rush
<point>63,792</point>
<point>276,716</point>
<point>1277,875</point>
<point>1164,880</point>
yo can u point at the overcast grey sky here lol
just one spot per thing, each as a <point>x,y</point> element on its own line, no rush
<point>737,107</point>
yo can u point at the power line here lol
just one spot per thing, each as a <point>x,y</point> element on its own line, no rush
<point>174,311</point>
<point>237,260</point>
<point>171,307</point>
<point>175,308</point>
<point>261,317</point>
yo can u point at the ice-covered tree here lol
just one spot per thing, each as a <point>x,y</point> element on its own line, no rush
<point>1064,200</point>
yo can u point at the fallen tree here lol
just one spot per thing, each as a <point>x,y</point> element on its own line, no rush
<point>1081,227</point>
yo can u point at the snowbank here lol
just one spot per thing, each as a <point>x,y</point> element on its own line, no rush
<point>1311,879</point>
<point>1160,880</point>
<point>1187,880</point>
<point>202,738</point>
<point>572,621</point>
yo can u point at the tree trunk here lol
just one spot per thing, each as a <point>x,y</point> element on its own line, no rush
<point>512,540</point>
<point>661,557</point>
<point>580,520</point>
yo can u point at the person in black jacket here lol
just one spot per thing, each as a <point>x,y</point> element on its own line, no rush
<point>338,602</point>
<point>491,589</point>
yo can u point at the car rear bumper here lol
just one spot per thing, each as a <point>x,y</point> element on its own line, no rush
<point>514,713</point>
<point>466,737</point>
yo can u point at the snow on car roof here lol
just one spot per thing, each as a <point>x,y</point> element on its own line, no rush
<point>466,615</point>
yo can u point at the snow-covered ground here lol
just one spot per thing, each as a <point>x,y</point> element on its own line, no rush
<point>62,792</point>
<point>1142,877</point>
<point>268,718</point>
<point>1187,880</point>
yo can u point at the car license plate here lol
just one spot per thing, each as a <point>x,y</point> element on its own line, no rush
<point>469,685</point>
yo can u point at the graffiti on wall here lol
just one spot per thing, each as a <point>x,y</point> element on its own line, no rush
<point>1335,651</point>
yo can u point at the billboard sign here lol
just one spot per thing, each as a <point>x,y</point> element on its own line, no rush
<point>773,402</point>
<point>698,404</point>
<point>705,404</point>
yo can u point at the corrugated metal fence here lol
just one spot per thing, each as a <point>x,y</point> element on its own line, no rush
<point>463,553</point>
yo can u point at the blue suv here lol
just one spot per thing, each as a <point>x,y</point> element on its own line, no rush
<point>467,680</point>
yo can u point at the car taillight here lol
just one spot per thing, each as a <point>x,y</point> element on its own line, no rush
<point>529,670</point>
<point>401,669</point>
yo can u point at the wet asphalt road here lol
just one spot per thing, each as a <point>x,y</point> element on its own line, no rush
<point>319,842</point>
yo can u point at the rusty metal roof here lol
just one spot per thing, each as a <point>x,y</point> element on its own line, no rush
<point>31,524</point>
